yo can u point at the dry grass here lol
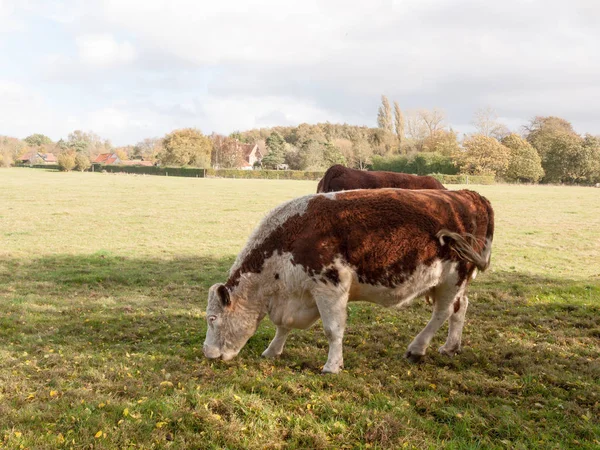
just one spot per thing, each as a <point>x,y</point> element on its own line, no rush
<point>103,282</point>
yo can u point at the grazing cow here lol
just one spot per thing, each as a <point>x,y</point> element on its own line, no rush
<point>340,178</point>
<point>310,256</point>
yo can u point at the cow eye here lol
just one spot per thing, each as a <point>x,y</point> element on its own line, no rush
<point>211,319</point>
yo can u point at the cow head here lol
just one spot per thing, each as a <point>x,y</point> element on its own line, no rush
<point>230,325</point>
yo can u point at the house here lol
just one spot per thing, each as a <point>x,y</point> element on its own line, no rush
<point>35,157</point>
<point>251,155</point>
<point>107,158</point>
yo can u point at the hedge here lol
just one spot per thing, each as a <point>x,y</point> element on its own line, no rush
<point>265,174</point>
<point>418,164</point>
<point>463,179</point>
<point>193,172</point>
<point>39,166</point>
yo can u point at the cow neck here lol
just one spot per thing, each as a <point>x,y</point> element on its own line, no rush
<point>246,299</point>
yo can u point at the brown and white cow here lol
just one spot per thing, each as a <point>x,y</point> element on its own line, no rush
<point>340,178</point>
<point>310,256</point>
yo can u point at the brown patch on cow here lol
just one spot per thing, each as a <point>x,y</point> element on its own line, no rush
<point>277,276</point>
<point>384,234</point>
<point>456,305</point>
<point>340,178</point>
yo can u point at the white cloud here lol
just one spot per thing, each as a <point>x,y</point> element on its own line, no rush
<point>232,65</point>
<point>102,50</point>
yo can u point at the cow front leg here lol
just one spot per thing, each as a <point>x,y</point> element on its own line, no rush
<point>333,315</point>
<point>444,297</point>
<point>455,327</point>
<point>275,348</point>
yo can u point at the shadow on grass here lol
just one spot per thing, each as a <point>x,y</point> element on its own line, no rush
<point>121,301</point>
<point>530,354</point>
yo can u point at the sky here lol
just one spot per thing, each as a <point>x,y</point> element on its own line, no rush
<point>132,69</point>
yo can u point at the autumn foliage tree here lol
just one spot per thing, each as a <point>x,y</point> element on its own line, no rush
<point>186,147</point>
<point>525,164</point>
<point>483,155</point>
<point>66,161</point>
<point>384,115</point>
<point>572,159</point>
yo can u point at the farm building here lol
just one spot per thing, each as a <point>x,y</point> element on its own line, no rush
<point>107,158</point>
<point>251,154</point>
<point>35,157</point>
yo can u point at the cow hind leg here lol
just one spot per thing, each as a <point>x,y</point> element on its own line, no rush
<point>275,348</point>
<point>443,307</point>
<point>455,327</point>
<point>333,315</point>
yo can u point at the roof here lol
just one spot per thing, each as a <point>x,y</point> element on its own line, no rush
<point>28,156</point>
<point>49,157</point>
<point>106,158</point>
<point>247,150</point>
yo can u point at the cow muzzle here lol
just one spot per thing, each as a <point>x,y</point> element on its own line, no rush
<point>211,352</point>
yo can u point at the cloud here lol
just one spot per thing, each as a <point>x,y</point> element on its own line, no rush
<point>229,65</point>
<point>102,50</point>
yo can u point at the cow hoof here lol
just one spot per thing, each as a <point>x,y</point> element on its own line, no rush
<point>413,357</point>
<point>333,370</point>
<point>270,354</point>
<point>451,352</point>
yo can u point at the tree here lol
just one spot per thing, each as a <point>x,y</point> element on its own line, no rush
<point>66,161</point>
<point>423,124</point>
<point>332,155</point>
<point>443,142</point>
<point>384,115</point>
<point>399,123</point>
<point>486,123</point>
<point>483,155</point>
<point>524,164</point>
<point>593,143</point>
<point>37,140</point>
<point>82,162</point>
<point>147,149</point>
<point>433,119</point>
<point>186,147</point>
<point>276,146</point>
<point>541,131</point>
<point>88,143</point>
<point>10,150</point>
<point>362,153</point>
<point>123,152</point>
<point>571,159</point>
<point>228,152</point>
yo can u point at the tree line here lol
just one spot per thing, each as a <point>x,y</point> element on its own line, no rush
<point>546,149</point>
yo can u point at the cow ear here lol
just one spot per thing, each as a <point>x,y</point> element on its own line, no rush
<point>223,293</point>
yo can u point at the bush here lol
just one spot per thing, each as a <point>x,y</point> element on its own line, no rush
<point>82,162</point>
<point>66,162</point>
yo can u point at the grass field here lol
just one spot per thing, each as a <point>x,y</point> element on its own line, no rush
<point>103,283</point>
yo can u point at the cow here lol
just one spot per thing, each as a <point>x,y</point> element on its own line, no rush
<point>340,178</point>
<point>310,256</point>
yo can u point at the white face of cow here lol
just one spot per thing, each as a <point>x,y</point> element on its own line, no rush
<point>229,327</point>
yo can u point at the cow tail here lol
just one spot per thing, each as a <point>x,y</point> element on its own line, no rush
<point>463,245</point>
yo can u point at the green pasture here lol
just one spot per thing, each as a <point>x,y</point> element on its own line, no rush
<point>103,283</point>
